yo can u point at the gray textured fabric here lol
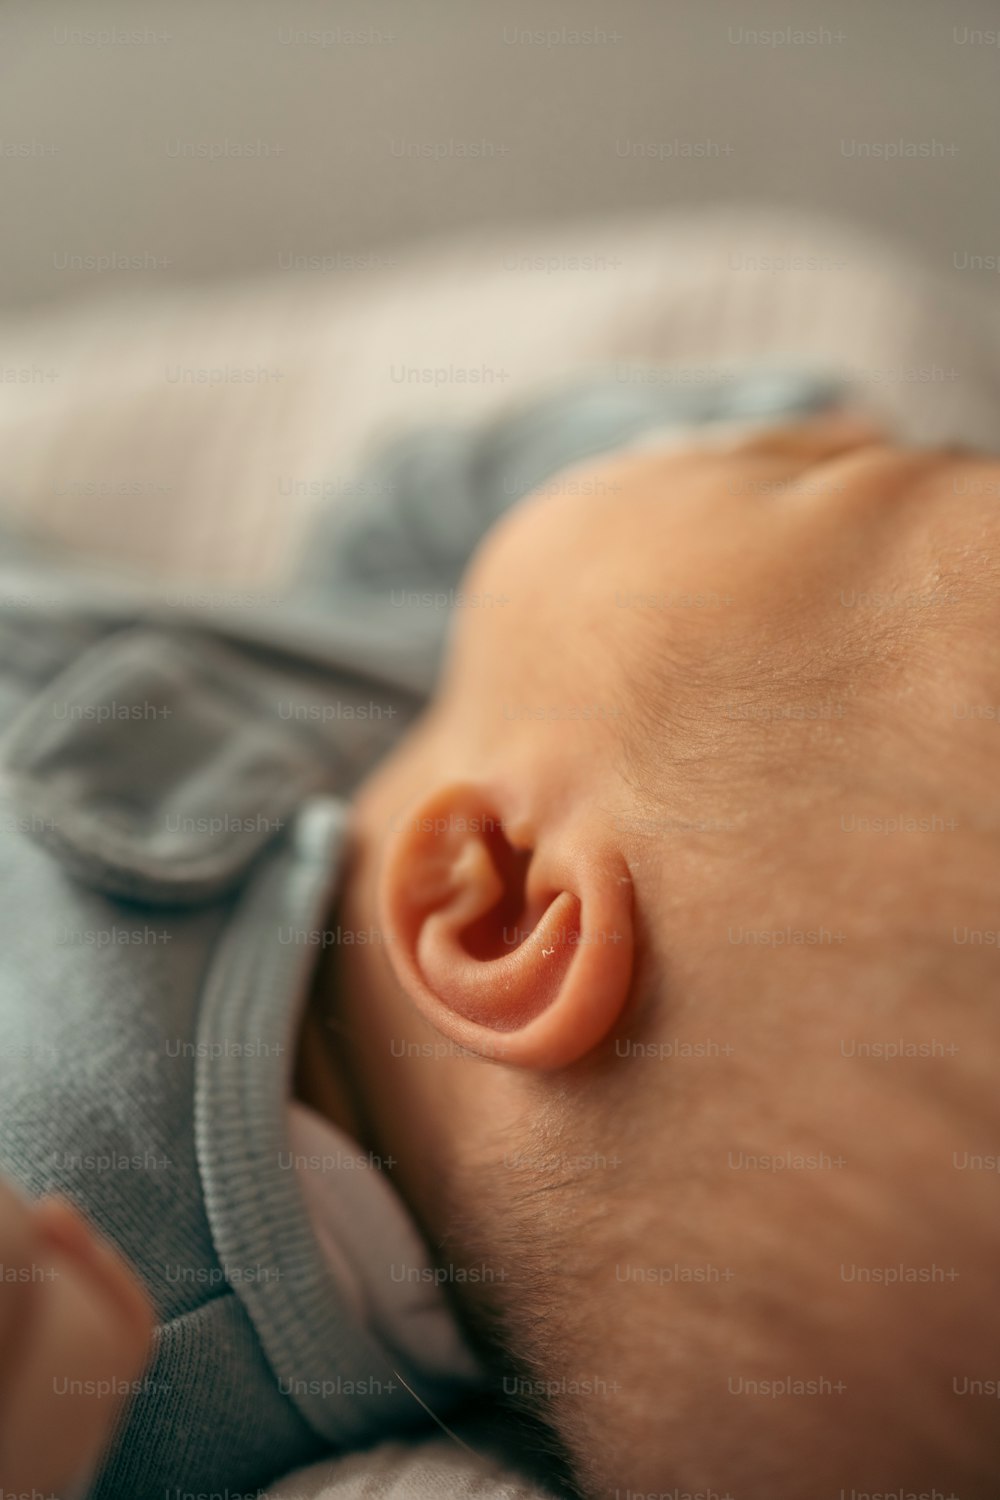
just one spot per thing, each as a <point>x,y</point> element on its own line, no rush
<point>175,783</point>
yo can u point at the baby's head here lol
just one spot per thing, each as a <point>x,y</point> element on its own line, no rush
<point>680,881</point>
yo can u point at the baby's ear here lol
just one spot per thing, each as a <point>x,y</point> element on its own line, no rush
<point>517,945</point>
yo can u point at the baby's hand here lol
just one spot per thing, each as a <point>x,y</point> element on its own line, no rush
<point>74,1333</point>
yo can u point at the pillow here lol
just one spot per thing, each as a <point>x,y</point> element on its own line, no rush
<point>194,433</point>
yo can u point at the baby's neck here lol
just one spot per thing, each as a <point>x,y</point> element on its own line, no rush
<point>319,1079</point>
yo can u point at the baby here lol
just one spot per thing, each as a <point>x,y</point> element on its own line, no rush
<point>662,988</point>
<point>692,867</point>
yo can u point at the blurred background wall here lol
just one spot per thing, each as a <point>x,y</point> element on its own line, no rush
<point>143,143</point>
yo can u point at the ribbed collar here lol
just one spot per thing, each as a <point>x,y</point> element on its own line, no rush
<point>325,1360</point>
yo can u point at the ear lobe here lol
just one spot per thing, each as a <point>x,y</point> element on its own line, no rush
<point>519,947</point>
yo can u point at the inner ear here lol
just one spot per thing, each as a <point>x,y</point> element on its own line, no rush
<point>488,936</point>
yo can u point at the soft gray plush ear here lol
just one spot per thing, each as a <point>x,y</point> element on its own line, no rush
<point>157,770</point>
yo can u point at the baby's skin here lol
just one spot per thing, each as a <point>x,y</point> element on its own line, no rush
<point>682,1023</point>
<point>75,1329</point>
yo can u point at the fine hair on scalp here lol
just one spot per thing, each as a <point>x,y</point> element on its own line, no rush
<point>555,1234</point>
<point>544,1228</point>
<point>509,1320</point>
